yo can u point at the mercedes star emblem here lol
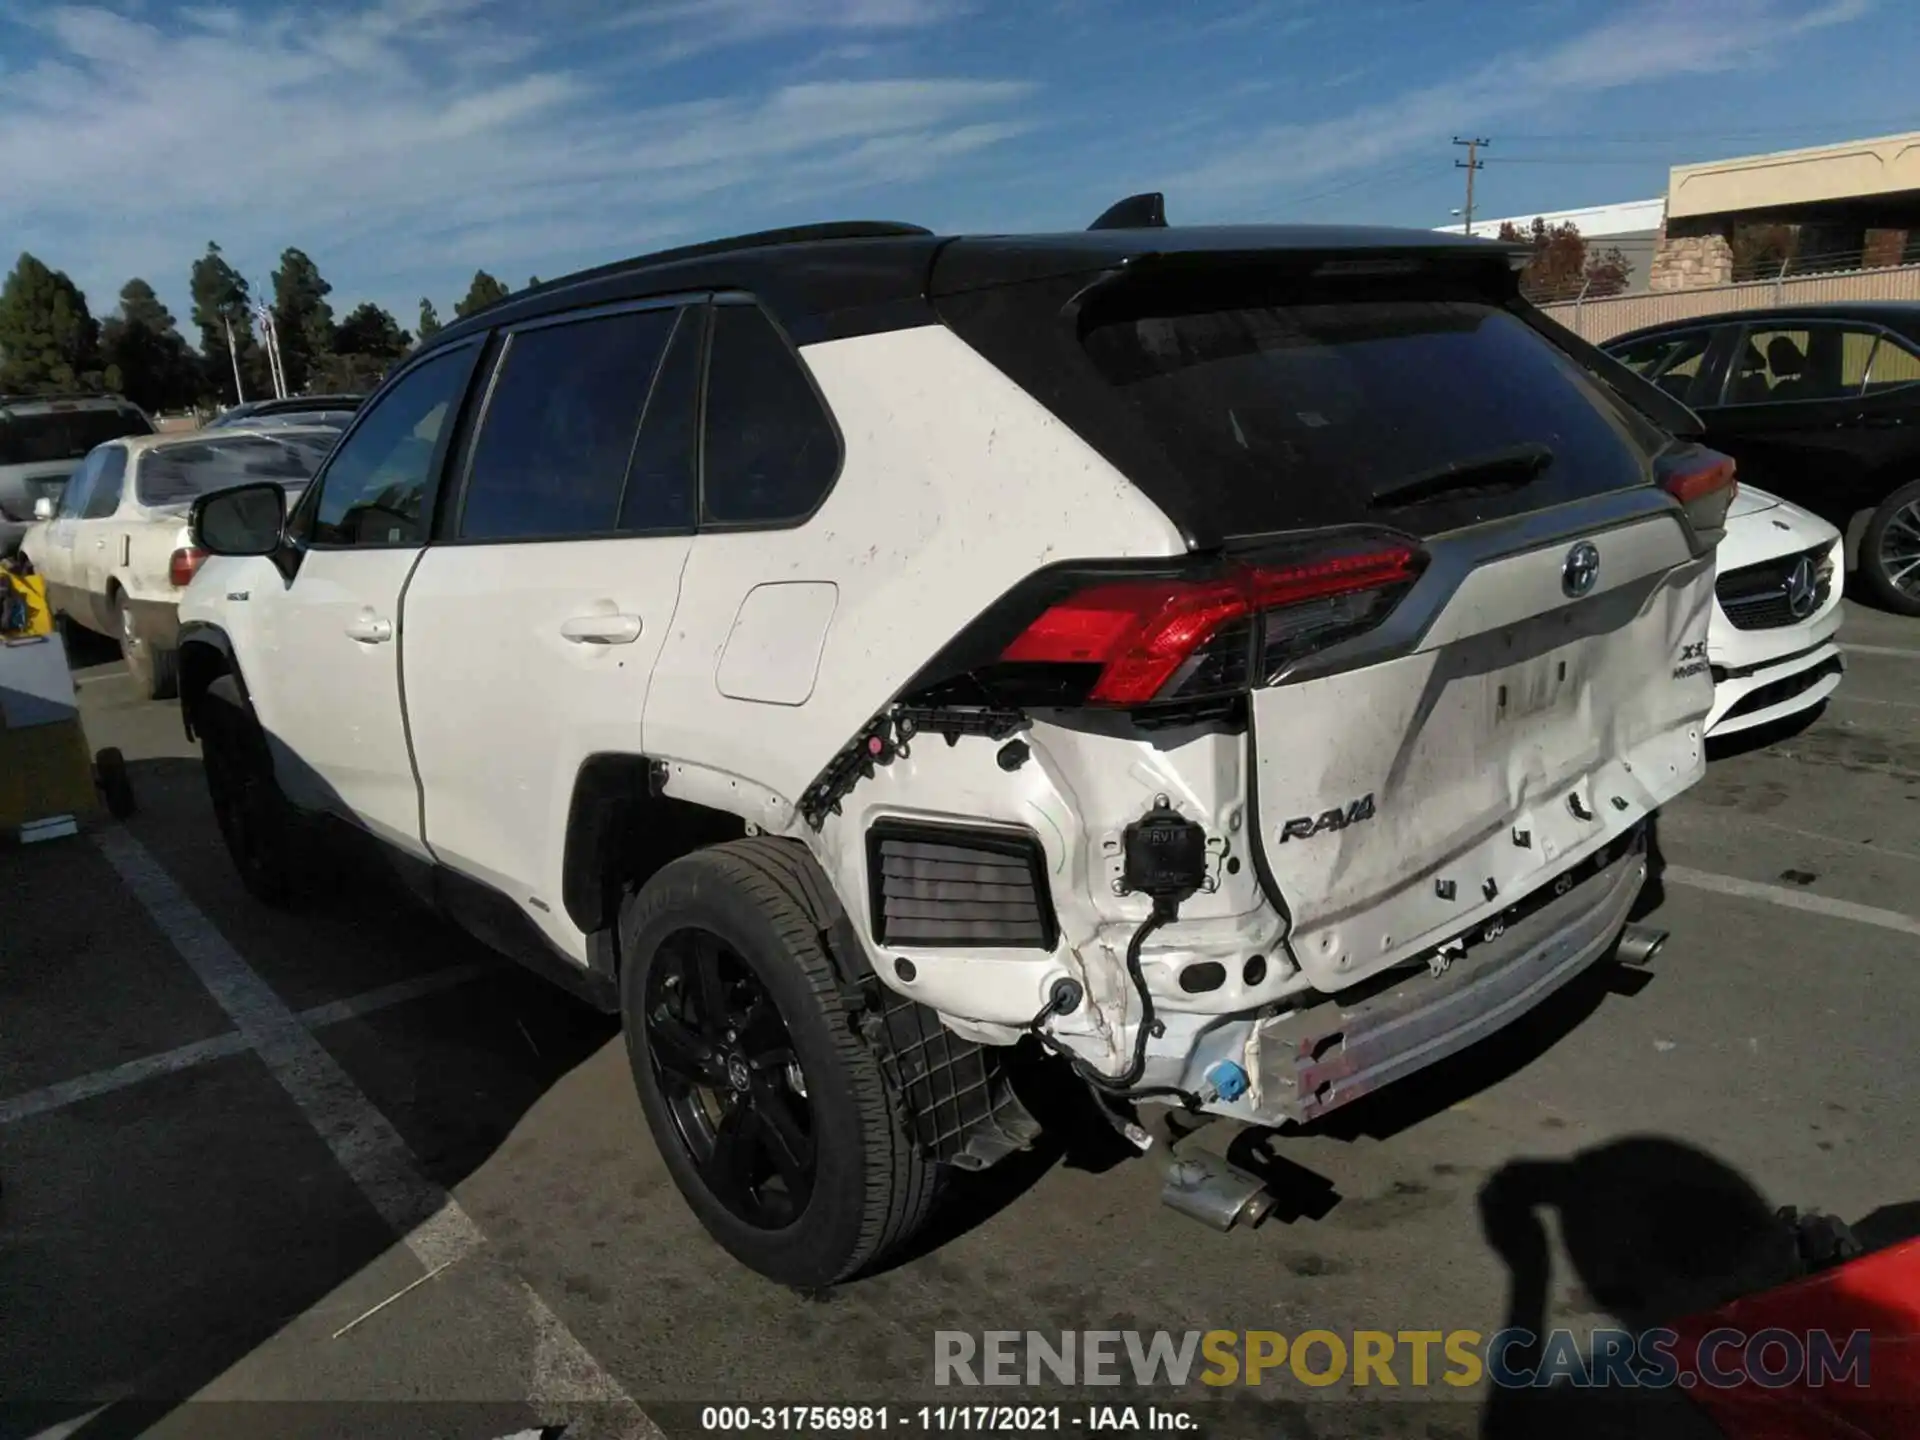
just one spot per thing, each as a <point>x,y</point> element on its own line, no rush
<point>1802,594</point>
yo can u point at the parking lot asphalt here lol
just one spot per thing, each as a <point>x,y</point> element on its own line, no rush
<point>348,1161</point>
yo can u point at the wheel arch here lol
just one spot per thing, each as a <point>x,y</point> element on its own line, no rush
<point>623,826</point>
<point>206,653</point>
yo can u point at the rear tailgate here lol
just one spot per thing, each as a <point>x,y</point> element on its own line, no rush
<point>1405,801</point>
<point>1535,693</point>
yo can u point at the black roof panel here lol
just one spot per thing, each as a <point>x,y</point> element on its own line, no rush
<point>824,281</point>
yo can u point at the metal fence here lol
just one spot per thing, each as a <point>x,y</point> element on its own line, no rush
<point>1600,320</point>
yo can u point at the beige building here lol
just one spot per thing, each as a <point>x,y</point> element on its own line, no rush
<point>1829,208</point>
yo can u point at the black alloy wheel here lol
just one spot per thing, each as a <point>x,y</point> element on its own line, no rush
<point>731,1079</point>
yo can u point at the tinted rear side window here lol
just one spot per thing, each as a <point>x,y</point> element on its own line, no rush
<point>29,437</point>
<point>1303,414</point>
<point>559,430</point>
<point>771,452</point>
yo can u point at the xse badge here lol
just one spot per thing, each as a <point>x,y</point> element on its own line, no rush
<point>1693,659</point>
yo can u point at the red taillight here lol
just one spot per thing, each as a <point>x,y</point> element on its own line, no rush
<point>1143,633</point>
<point>181,567</point>
<point>1703,482</point>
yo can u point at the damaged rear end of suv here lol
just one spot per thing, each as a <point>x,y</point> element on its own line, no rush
<point>1363,774</point>
<point>1235,666</point>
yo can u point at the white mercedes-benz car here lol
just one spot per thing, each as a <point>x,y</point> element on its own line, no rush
<point>1771,642</point>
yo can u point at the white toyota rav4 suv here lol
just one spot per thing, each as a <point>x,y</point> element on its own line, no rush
<point>1241,661</point>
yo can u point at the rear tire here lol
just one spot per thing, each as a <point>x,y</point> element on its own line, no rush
<point>262,830</point>
<point>730,925</point>
<point>1890,551</point>
<point>155,669</point>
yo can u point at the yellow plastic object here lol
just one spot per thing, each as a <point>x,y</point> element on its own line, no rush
<point>46,766</point>
<point>45,771</point>
<point>33,590</point>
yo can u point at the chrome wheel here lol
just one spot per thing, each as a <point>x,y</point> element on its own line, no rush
<point>1900,549</point>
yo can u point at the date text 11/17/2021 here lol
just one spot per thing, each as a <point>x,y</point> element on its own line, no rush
<point>852,1420</point>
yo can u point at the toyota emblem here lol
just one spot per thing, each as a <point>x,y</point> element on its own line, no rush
<point>1581,569</point>
<point>1802,593</point>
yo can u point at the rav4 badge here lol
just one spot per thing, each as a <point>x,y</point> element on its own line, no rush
<point>1306,826</point>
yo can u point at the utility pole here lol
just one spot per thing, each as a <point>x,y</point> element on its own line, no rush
<point>1472,163</point>
<point>239,390</point>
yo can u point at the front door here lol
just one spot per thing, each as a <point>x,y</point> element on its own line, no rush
<point>327,689</point>
<point>53,557</point>
<point>534,621</point>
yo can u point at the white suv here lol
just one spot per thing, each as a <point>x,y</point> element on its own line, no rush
<point>1243,661</point>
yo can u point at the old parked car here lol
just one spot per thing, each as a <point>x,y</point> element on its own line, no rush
<point>1820,405</point>
<point>1243,661</point>
<point>43,438</point>
<point>114,549</point>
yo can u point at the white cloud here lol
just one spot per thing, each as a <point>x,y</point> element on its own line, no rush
<point>1654,40</point>
<point>407,142</point>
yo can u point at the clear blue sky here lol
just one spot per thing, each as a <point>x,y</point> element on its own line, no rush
<point>402,143</point>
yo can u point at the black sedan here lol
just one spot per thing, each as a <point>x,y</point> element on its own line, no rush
<point>1819,404</point>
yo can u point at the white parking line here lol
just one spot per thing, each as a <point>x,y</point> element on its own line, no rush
<point>1882,650</point>
<point>429,1221</point>
<point>219,1047</point>
<point>1791,899</point>
<point>103,1082</point>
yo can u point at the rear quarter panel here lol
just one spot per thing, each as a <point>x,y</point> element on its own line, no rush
<point>956,484</point>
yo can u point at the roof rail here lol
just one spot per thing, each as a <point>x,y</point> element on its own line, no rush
<point>758,239</point>
<point>108,395</point>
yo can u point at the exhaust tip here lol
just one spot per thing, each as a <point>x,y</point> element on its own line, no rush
<point>1639,944</point>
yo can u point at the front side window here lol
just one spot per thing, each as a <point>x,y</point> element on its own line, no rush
<point>103,496</point>
<point>376,484</point>
<point>771,450</point>
<point>553,451</point>
<point>73,499</point>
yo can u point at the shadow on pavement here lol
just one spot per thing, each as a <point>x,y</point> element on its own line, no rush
<point>1656,1232</point>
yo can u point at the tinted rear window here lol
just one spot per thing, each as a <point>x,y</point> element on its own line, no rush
<point>180,472</point>
<point>49,436</point>
<point>1299,415</point>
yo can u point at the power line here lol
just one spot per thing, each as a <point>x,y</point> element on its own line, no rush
<point>1470,165</point>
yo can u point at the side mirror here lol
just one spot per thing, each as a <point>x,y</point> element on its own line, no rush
<point>242,520</point>
<point>43,508</point>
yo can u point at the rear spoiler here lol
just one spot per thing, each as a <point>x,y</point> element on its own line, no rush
<point>1643,395</point>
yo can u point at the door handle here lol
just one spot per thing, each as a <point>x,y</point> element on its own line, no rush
<point>370,628</point>
<point>601,629</point>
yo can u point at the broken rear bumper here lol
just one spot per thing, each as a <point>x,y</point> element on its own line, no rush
<point>1308,1062</point>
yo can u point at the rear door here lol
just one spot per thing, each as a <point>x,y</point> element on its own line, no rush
<point>533,623</point>
<point>1788,409</point>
